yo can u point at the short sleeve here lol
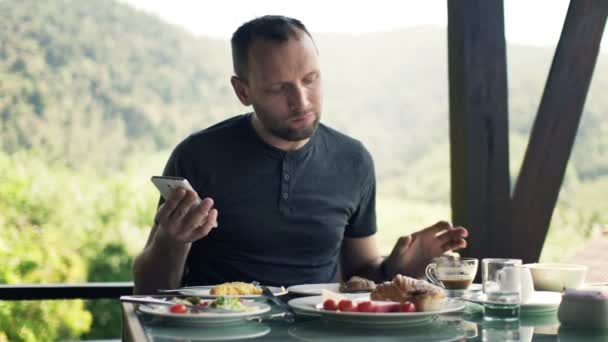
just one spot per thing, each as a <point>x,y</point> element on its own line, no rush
<point>363,222</point>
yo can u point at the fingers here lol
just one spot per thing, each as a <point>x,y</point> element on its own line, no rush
<point>204,229</point>
<point>198,213</point>
<point>167,208</point>
<point>184,217</point>
<point>439,227</point>
<point>454,244</point>
<point>453,239</point>
<point>184,206</point>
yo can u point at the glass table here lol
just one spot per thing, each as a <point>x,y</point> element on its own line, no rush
<point>467,325</point>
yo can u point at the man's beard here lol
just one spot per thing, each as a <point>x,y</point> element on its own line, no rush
<point>280,130</point>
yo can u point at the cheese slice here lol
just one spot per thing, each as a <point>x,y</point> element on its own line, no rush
<point>326,294</point>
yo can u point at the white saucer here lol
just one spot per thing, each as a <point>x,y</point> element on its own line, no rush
<point>471,291</point>
<point>540,301</point>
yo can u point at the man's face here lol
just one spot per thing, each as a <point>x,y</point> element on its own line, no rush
<point>284,86</point>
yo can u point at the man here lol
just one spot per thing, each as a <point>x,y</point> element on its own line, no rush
<point>294,198</point>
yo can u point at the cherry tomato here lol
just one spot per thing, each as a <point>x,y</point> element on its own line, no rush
<point>330,305</point>
<point>178,308</point>
<point>346,305</point>
<point>407,307</point>
<point>366,306</point>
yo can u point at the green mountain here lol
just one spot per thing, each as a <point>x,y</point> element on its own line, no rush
<point>83,80</point>
<point>97,80</point>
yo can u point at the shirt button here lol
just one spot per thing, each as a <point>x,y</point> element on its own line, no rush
<point>285,195</point>
<point>286,176</point>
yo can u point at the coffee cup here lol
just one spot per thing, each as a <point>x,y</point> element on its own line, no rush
<point>452,273</point>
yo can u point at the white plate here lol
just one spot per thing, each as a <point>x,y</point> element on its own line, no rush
<point>204,291</point>
<point>204,317</point>
<point>313,289</point>
<point>436,331</point>
<point>310,305</point>
<point>209,333</point>
<point>540,301</point>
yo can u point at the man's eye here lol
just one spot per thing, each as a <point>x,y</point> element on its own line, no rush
<point>311,79</point>
<point>276,90</point>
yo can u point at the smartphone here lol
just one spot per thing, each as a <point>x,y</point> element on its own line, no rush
<point>166,185</point>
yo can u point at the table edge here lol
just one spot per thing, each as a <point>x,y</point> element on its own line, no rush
<point>132,329</point>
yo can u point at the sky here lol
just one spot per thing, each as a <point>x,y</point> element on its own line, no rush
<point>219,18</point>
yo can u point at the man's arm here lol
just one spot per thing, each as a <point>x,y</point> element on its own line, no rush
<point>410,255</point>
<point>179,221</point>
<point>361,257</point>
<point>159,266</point>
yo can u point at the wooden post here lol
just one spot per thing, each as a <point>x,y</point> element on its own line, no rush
<point>479,124</point>
<point>555,127</point>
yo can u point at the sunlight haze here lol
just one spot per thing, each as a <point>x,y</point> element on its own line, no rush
<point>220,19</point>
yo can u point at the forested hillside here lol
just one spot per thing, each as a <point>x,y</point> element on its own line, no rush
<point>96,80</point>
<point>93,80</point>
<point>94,94</point>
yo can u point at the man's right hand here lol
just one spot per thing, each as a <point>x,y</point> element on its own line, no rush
<point>183,219</point>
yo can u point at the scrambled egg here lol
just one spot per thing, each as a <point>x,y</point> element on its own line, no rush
<point>235,289</point>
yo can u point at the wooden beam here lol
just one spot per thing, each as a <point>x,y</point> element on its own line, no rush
<point>555,126</point>
<point>479,143</point>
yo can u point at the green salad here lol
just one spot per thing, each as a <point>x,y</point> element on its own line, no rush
<point>229,303</point>
<point>196,304</point>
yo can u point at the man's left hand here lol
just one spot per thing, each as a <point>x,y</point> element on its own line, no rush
<point>413,253</point>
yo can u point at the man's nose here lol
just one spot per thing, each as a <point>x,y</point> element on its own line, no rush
<point>298,98</point>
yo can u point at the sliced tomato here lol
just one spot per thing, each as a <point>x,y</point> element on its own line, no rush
<point>407,307</point>
<point>178,308</point>
<point>387,307</point>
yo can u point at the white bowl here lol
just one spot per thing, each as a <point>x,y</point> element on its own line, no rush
<point>556,277</point>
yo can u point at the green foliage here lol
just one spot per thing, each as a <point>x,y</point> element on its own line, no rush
<point>62,226</point>
<point>93,94</point>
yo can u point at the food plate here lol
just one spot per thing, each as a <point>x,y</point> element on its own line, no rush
<point>540,301</point>
<point>204,317</point>
<point>312,305</point>
<point>313,289</point>
<point>204,291</point>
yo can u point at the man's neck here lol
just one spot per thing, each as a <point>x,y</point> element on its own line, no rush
<point>272,140</point>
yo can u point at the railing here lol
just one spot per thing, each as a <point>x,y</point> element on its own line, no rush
<point>65,291</point>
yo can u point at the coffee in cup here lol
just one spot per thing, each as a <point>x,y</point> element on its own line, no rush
<point>452,273</point>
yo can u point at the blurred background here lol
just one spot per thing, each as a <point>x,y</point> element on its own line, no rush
<point>94,94</point>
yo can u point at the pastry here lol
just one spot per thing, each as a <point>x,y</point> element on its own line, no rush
<point>357,284</point>
<point>426,296</point>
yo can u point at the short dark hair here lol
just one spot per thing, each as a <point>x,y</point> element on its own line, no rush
<point>277,28</point>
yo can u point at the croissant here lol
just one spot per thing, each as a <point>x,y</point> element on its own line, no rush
<point>426,296</point>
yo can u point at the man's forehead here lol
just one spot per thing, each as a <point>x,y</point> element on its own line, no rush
<point>297,52</point>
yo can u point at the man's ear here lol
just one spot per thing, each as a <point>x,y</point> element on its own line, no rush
<point>241,90</point>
